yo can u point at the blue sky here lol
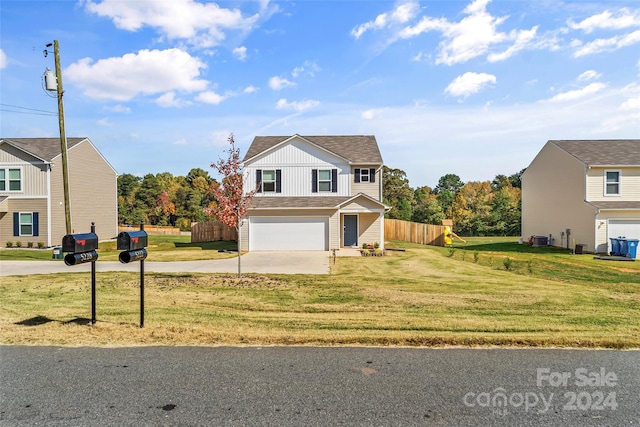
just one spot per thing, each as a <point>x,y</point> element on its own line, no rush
<point>473,88</point>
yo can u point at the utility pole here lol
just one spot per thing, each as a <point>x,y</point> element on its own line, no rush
<point>63,136</point>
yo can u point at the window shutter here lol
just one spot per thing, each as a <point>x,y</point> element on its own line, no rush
<point>36,227</point>
<point>259,180</point>
<point>16,223</point>
<point>357,177</point>
<point>372,175</point>
<point>278,181</point>
<point>314,180</point>
<point>334,180</point>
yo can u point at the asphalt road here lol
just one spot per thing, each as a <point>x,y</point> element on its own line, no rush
<point>294,386</point>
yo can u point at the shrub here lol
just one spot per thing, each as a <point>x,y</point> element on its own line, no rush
<point>19,244</point>
<point>29,244</point>
<point>9,244</point>
<point>40,245</point>
<point>376,245</point>
<point>365,245</point>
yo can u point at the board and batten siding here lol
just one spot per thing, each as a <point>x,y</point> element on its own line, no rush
<point>629,184</point>
<point>296,161</point>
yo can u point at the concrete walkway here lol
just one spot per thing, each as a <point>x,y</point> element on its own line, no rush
<point>277,262</point>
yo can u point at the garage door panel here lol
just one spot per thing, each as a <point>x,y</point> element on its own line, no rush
<point>288,233</point>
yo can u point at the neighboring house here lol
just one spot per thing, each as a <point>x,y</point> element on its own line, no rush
<point>583,192</point>
<point>32,195</point>
<point>313,193</point>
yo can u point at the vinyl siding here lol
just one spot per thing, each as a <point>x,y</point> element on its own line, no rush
<point>553,194</point>
<point>93,192</point>
<point>369,228</point>
<point>34,172</point>
<point>601,226</point>
<point>24,205</point>
<point>629,184</point>
<point>371,189</point>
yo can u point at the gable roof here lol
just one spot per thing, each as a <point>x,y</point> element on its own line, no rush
<point>362,149</point>
<point>603,152</point>
<point>42,148</point>
<point>306,202</point>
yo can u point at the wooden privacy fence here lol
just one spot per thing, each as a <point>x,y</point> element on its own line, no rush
<point>414,232</point>
<point>212,231</point>
<point>151,229</point>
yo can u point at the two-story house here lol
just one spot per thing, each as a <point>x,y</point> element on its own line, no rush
<point>313,193</point>
<point>32,191</point>
<point>583,192</point>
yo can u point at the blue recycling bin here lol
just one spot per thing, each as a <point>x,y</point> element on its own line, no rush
<point>624,247</point>
<point>615,246</point>
<point>632,247</point>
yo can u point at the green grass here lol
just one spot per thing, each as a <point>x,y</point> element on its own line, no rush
<point>419,297</point>
<point>161,248</point>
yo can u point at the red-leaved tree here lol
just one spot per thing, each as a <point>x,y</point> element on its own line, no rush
<point>232,201</point>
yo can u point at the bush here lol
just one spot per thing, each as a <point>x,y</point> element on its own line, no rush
<point>29,244</point>
<point>40,245</point>
<point>9,244</point>
<point>19,244</point>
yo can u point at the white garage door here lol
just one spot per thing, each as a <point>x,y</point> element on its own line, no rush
<point>629,228</point>
<point>288,233</point>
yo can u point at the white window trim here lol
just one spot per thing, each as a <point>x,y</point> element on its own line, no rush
<point>20,224</point>
<point>324,180</point>
<point>265,181</point>
<point>619,193</point>
<point>362,175</point>
<point>7,180</point>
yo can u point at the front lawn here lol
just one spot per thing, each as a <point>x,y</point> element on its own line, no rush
<point>424,296</point>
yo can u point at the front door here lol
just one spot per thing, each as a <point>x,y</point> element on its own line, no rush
<point>350,237</point>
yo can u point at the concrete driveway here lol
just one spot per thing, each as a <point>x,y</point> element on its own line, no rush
<point>278,262</point>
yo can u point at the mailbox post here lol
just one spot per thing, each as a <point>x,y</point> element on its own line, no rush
<point>82,248</point>
<point>133,244</point>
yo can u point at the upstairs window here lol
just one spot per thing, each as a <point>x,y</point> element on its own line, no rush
<point>612,183</point>
<point>365,175</point>
<point>269,180</point>
<point>10,179</point>
<point>324,180</point>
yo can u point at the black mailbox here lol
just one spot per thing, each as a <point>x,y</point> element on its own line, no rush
<point>80,243</point>
<point>132,240</point>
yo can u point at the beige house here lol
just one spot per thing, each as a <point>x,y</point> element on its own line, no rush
<point>32,196</point>
<point>314,193</point>
<point>583,192</point>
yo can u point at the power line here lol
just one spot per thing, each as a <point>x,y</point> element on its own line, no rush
<point>28,110</point>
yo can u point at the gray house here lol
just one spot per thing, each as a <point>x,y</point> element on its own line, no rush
<point>32,196</point>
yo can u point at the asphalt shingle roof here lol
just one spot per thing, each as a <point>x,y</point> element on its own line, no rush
<point>362,149</point>
<point>603,152</point>
<point>42,148</point>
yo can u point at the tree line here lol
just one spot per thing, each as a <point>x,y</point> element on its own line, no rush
<point>477,208</point>
<point>487,208</point>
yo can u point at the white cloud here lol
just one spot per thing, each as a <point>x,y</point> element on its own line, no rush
<point>589,75</point>
<point>240,53</point>
<point>472,36</point>
<point>283,104</point>
<point>169,100</point>
<point>250,89</point>
<point>147,72</point>
<point>278,83</point>
<point>3,59</point>
<point>104,122</point>
<point>469,83</point>
<point>608,45</point>
<point>631,104</point>
<point>623,18</point>
<point>201,24</point>
<point>402,13</point>
<point>210,97</point>
<point>181,142</point>
<point>119,109</point>
<point>310,68</point>
<point>573,95</point>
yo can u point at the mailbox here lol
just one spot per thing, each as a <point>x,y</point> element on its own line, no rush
<point>132,240</point>
<point>81,258</point>
<point>80,243</point>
